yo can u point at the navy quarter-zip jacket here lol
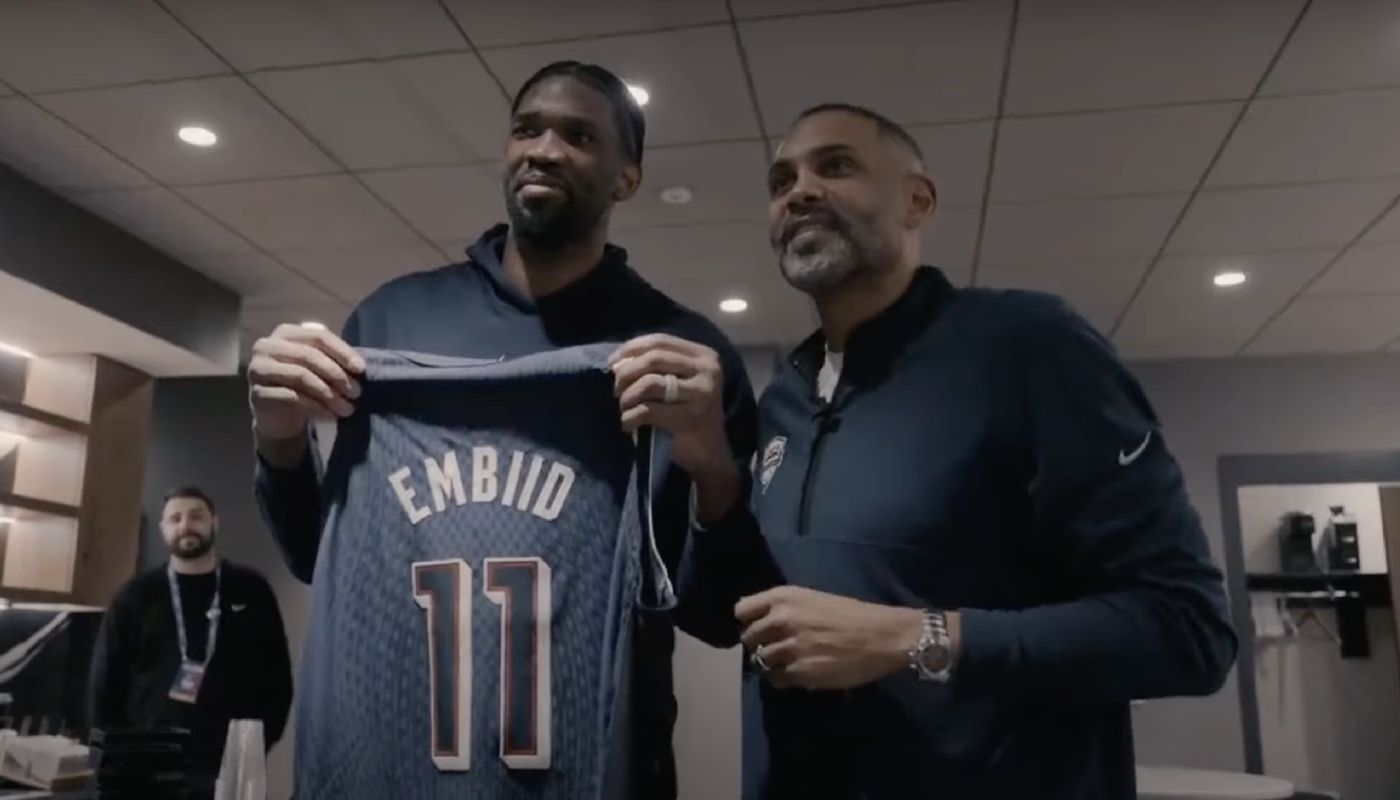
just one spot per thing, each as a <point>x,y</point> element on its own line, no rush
<point>985,451</point>
<point>472,309</point>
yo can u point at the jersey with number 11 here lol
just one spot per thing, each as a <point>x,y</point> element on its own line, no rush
<point>487,547</point>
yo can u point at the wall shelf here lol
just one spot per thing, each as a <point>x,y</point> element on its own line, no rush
<point>1348,593</point>
<point>22,419</point>
<point>37,506</point>
<point>1372,589</point>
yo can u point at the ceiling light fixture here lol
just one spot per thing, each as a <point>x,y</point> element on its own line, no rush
<point>8,520</point>
<point>312,324</point>
<point>198,136</point>
<point>676,195</point>
<point>15,351</point>
<point>1229,278</point>
<point>734,305</point>
<point>642,96</point>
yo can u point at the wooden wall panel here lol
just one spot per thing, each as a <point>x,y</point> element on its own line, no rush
<point>110,518</point>
<point>1390,523</point>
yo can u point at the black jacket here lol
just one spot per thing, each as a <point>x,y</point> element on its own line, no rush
<point>472,309</point>
<point>984,451</point>
<point>138,654</point>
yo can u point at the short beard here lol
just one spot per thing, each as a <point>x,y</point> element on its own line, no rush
<point>819,269</point>
<point>203,546</point>
<point>549,228</point>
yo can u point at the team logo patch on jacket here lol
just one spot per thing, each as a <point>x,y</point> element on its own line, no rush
<point>772,459</point>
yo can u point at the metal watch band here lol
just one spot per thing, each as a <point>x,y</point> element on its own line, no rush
<point>935,639</point>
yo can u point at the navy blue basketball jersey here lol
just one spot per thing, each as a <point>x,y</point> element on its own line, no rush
<point>487,545</point>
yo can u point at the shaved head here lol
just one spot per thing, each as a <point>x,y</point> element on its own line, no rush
<point>892,131</point>
<point>847,196</point>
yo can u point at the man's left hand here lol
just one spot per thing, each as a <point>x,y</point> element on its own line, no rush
<point>814,640</point>
<point>678,386</point>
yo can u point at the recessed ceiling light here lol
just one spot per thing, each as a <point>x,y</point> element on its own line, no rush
<point>642,96</point>
<point>734,305</point>
<point>15,351</point>
<point>198,136</point>
<point>1228,278</point>
<point>313,325</point>
<point>676,195</point>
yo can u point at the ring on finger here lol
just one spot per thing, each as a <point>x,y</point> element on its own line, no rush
<point>757,659</point>
<point>673,389</point>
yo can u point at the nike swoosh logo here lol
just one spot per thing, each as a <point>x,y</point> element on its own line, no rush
<point>238,607</point>
<point>1124,459</point>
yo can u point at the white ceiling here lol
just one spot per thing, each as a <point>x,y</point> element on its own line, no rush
<point>1117,153</point>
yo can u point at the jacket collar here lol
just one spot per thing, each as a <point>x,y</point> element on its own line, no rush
<point>488,254</point>
<point>877,342</point>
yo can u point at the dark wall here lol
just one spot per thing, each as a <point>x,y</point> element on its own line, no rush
<point>52,243</point>
<point>201,433</point>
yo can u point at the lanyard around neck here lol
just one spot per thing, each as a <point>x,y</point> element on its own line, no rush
<point>179,607</point>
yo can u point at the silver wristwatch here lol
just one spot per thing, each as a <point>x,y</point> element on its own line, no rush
<point>932,656</point>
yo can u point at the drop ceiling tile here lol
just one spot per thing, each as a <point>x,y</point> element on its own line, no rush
<point>354,272</point>
<point>163,220</point>
<point>949,240</point>
<point>1182,314</point>
<point>956,156</point>
<point>783,325</point>
<point>184,232</point>
<point>405,112</point>
<point>71,44</point>
<point>257,321</point>
<point>456,249</point>
<point>1385,231</point>
<point>777,314</point>
<point>1364,269</point>
<point>259,279</point>
<point>1340,45</point>
<point>697,87</point>
<point>444,203</point>
<point>757,9</point>
<point>1314,138</point>
<point>726,182</point>
<point>1099,292</point>
<point>1331,324</point>
<point>1078,232</point>
<point>140,122</point>
<point>331,211</point>
<point>54,155</point>
<point>254,34</point>
<point>701,253</point>
<point>1158,150</point>
<point>1280,218</point>
<point>920,64</point>
<point>492,23</point>
<point>1078,55</point>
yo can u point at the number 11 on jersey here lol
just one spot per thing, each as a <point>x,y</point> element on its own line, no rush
<point>522,589</point>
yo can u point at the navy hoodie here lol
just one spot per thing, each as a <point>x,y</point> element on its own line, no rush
<point>472,309</point>
<point>987,452</point>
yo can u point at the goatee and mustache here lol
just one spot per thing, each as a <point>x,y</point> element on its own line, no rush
<point>821,246</point>
<point>192,544</point>
<point>547,211</point>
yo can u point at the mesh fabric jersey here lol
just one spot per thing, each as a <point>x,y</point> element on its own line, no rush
<point>486,548</point>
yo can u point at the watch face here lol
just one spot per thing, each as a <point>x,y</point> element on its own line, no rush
<point>935,658</point>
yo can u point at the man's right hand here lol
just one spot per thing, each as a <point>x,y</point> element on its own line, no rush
<point>298,374</point>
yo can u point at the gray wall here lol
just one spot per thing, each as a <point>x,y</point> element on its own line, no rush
<point>201,433</point>
<point>1294,405</point>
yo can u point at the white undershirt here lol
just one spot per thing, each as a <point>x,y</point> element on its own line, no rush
<point>829,375</point>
